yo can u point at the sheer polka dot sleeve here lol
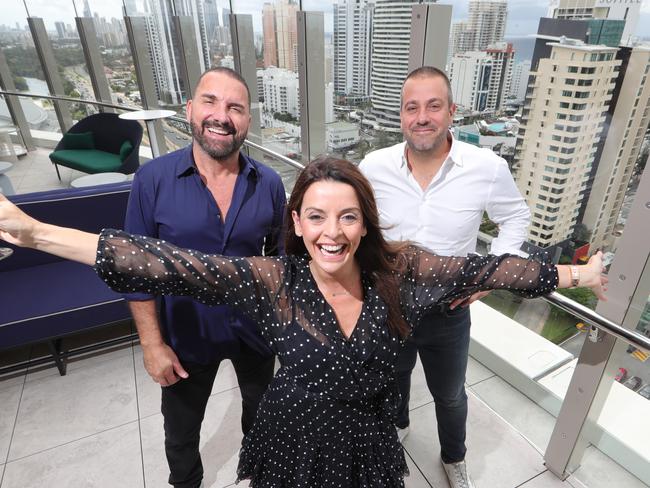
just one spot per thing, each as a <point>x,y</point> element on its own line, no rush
<point>432,279</point>
<point>129,263</point>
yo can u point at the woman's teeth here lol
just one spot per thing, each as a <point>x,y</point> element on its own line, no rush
<point>332,250</point>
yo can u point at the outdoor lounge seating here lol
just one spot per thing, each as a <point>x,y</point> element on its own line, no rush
<point>45,298</point>
<point>100,143</point>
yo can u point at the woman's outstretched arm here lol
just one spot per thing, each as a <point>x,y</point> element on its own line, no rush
<point>439,279</point>
<point>18,228</point>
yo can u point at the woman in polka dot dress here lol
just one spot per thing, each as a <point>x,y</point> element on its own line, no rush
<point>335,310</point>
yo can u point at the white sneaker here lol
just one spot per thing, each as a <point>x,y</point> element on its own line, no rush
<point>457,475</point>
<point>402,433</point>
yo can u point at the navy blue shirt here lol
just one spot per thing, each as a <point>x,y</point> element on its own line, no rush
<point>170,201</point>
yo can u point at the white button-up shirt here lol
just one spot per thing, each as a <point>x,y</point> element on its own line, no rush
<point>445,218</point>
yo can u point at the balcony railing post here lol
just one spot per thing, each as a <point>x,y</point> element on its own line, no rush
<point>430,26</point>
<point>243,52</point>
<point>94,63</point>
<point>50,70</point>
<point>311,80</point>
<point>13,104</point>
<point>586,395</point>
<point>190,59</point>
<point>136,29</point>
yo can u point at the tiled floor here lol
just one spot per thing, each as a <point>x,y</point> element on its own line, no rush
<point>35,172</point>
<point>100,426</point>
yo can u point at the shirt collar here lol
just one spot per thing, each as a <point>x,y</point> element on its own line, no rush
<point>186,165</point>
<point>455,155</point>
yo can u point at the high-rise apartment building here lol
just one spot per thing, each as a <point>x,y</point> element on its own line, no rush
<point>268,30</point>
<point>626,10</point>
<point>502,55</point>
<point>486,25</point>
<point>87,11</point>
<point>626,125</point>
<point>60,30</point>
<point>195,9</point>
<point>562,123</point>
<point>519,82</point>
<point>469,74</point>
<point>163,52</point>
<point>280,31</point>
<point>487,22</point>
<point>480,80</point>
<point>389,64</point>
<point>281,91</point>
<point>211,13</point>
<point>352,48</point>
<point>286,25</point>
<point>461,38</point>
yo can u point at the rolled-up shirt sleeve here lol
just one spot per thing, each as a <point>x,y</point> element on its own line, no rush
<point>507,208</point>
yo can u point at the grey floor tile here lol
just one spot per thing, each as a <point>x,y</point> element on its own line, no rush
<point>13,357</point>
<point>532,421</point>
<point>220,440</point>
<point>476,372</point>
<point>96,358</point>
<point>148,389</point>
<point>492,445</point>
<point>226,378</point>
<point>599,471</point>
<point>575,483</point>
<point>546,480</point>
<point>9,400</point>
<point>415,479</point>
<point>93,397</point>
<point>106,460</point>
<point>2,471</point>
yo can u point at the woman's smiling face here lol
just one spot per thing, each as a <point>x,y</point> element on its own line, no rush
<point>331,225</point>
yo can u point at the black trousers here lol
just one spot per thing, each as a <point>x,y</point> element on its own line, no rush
<point>183,408</point>
<point>442,341</point>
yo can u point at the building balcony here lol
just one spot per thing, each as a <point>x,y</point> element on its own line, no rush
<point>107,408</point>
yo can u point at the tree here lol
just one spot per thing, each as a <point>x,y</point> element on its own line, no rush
<point>21,83</point>
<point>581,233</point>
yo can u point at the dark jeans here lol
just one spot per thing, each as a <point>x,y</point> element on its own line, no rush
<point>442,339</point>
<point>183,408</point>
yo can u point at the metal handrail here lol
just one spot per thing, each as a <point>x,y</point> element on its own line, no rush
<point>596,320</point>
<point>556,299</point>
<point>248,143</point>
<point>70,99</point>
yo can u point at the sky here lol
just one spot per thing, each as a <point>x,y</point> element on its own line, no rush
<point>523,15</point>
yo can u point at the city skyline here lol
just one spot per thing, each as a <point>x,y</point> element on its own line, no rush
<point>523,15</point>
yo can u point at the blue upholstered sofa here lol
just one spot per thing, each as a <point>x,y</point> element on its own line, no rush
<point>44,298</point>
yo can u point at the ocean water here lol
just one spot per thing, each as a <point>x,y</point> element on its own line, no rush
<point>523,47</point>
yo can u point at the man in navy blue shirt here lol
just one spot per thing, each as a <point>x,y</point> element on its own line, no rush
<point>210,197</point>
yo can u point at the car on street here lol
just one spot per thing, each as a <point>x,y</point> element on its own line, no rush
<point>633,382</point>
<point>645,391</point>
<point>621,375</point>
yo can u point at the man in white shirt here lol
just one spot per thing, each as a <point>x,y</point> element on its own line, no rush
<point>433,190</point>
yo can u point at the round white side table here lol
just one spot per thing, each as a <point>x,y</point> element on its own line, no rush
<point>148,116</point>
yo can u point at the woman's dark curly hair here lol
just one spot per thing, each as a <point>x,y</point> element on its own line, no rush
<point>378,258</point>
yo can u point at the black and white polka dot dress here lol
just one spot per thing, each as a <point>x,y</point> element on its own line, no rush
<point>327,418</point>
